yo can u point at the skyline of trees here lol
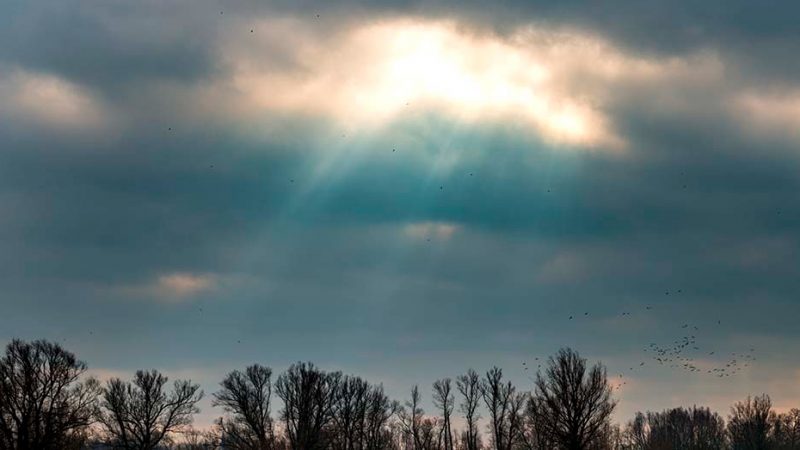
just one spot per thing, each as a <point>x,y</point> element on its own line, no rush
<point>48,402</point>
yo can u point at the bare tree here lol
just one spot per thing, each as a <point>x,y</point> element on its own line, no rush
<point>504,407</point>
<point>469,387</point>
<point>786,430</point>
<point>141,414</point>
<point>350,413</point>
<point>677,429</point>
<point>43,405</point>
<point>411,419</point>
<point>750,423</point>
<point>429,431</point>
<point>309,398</point>
<point>247,397</point>
<point>534,435</point>
<point>444,400</point>
<point>637,433</point>
<point>379,411</point>
<point>516,419</point>
<point>575,404</point>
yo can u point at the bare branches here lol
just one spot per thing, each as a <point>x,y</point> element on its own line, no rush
<point>444,400</point>
<point>141,414</point>
<point>574,405</point>
<point>505,407</point>
<point>247,397</point>
<point>469,387</point>
<point>309,396</point>
<point>43,404</point>
<point>750,423</point>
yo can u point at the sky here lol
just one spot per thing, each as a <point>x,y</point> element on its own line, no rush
<point>406,189</point>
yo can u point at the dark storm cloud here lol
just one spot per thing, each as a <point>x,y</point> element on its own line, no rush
<point>107,44</point>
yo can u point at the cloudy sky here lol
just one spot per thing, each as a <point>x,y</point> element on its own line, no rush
<point>406,189</point>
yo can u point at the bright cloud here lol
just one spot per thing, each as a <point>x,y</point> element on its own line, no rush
<point>771,112</point>
<point>428,230</point>
<point>175,286</point>
<point>49,100</point>
<point>555,82</point>
<point>184,284</point>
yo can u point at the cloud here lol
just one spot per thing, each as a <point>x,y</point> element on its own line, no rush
<point>555,81</point>
<point>184,284</point>
<point>49,101</point>
<point>169,287</point>
<point>427,230</point>
<point>770,113</point>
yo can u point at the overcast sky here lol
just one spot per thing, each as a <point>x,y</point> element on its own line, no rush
<point>406,189</point>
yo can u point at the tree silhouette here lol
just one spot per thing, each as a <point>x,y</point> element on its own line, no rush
<point>43,405</point>
<point>309,397</point>
<point>469,386</point>
<point>411,419</point>
<point>534,435</point>
<point>677,429</point>
<point>378,412</point>
<point>141,414</point>
<point>505,408</point>
<point>444,400</point>
<point>246,396</point>
<point>574,404</point>
<point>750,423</point>
<point>786,430</point>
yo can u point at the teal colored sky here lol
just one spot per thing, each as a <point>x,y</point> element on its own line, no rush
<point>406,189</point>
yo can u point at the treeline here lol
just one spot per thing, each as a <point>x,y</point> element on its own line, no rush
<point>47,402</point>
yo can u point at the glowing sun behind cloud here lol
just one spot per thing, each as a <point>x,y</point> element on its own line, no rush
<point>371,74</point>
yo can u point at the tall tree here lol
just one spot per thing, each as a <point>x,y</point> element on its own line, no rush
<point>350,413</point>
<point>677,429</point>
<point>534,433</point>
<point>750,423</point>
<point>786,430</point>
<point>140,415</point>
<point>444,400</point>
<point>574,402</point>
<point>309,398</point>
<point>469,386</point>
<point>411,417</point>
<point>43,403</point>
<point>246,396</point>
<point>379,412</point>
<point>504,405</point>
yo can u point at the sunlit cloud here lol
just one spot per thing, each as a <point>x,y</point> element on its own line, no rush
<point>183,284</point>
<point>554,82</point>
<point>429,230</point>
<point>169,287</point>
<point>50,101</point>
<point>770,112</point>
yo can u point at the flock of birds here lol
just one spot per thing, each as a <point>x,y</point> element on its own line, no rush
<point>683,353</point>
